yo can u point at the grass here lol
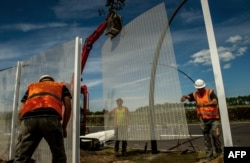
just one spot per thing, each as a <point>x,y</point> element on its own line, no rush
<point>139,156</point>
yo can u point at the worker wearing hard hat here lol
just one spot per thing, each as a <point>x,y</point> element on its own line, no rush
<point>208,112</point>
<point>45,104</point>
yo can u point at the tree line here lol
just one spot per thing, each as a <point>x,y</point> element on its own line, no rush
<point>231,101</point>
<point>240,100</point>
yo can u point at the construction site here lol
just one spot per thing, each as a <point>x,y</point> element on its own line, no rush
<point>139,66</point>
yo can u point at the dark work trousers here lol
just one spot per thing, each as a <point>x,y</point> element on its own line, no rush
<point>32,130</point>
<point>121,135</point>
<point>211,132</point>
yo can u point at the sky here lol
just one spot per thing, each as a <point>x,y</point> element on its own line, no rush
<point>28,27</point>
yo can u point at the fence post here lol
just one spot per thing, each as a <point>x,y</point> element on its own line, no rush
<point>14,111</point>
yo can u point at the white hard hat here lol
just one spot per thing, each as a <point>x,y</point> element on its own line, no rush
<point>46,77</point>
<point>199,84</point>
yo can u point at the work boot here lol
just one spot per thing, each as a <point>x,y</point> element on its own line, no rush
<point>117,154</point>
<point>218,154</point>
<point>124,154</point>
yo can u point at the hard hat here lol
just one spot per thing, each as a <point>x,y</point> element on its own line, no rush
<point>46,77</point>
<point>199,84</point>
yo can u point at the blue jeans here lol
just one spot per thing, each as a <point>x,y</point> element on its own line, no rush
<point>32,130</point>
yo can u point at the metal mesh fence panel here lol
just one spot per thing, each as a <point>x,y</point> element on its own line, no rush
<point>127,65</point>
<point>7,82</point>
<point>57,62</point>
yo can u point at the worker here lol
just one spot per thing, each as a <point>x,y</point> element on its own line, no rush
<point>44,113</point>
<point>120,115</point>
<point>208,113</point>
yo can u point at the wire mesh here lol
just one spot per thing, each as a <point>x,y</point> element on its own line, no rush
<point>127,64</point>
<point>57,62</point>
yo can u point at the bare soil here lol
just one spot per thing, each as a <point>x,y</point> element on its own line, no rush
<point>138,156</point>
<point>106,155</point>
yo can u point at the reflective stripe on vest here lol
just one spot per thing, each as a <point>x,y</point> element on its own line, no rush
<point>46,94</point>
<point>206,112</point>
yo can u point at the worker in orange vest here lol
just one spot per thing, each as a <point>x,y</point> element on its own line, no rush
<point>208,113</point>
<point>120,115</point>
<point>44,113</point>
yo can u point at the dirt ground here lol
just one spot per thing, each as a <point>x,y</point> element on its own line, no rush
<point>137,156</point>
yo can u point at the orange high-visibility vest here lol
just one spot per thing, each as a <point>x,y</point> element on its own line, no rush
<point>206,112</point>
<point>45,94</point>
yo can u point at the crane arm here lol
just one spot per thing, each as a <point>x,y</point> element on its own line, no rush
<point>89,43</point>
<point>112,25</point>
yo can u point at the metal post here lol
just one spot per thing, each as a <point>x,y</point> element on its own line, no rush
<point>76,103</point>
<point>217,75</point>
<point>14,111</point>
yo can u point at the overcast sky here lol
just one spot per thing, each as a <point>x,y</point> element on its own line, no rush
<point>29,27</point>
